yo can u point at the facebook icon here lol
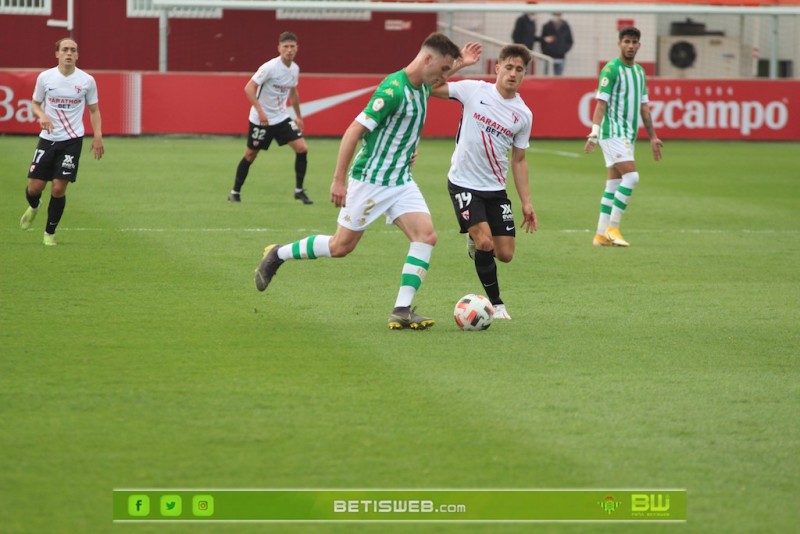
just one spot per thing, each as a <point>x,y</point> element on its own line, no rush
<point>138,505</point>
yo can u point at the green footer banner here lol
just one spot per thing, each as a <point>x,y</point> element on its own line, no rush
<point>399,505</point>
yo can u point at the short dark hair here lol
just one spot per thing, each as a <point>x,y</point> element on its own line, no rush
<point>630,30</point>
<point>442,44</point>
<point>515,50</point>
<point>287,36</point>
<point>58,43</point>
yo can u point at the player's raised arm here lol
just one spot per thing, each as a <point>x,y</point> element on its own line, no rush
<point>470,55</point>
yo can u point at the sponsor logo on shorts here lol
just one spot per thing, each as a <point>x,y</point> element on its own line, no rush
<point>69,163</point>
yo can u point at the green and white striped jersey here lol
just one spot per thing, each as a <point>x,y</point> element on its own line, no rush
<point>624,90</point>
<point>394,117</point>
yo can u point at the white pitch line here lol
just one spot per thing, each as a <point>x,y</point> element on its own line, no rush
<point>393,230</point>
<point>556,152</point>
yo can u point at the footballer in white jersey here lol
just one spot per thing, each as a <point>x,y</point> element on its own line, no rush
<point>274,80</point>
<point>490,126</point>
<point>269,91</point>
<point>60,98</point>
<point>64,100</point>
<point>494,122</point>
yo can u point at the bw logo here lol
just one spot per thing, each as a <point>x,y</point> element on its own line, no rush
<point>649,502</point>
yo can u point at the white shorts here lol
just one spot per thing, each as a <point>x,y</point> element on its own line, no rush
<point>366,202</point>
<point>616,150</point>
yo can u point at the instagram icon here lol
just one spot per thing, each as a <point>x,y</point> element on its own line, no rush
<point>203,505</point>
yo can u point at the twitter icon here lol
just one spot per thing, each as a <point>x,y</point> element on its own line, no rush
<point>171,505</point>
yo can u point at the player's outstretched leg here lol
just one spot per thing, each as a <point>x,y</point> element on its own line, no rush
<point>268,267</point>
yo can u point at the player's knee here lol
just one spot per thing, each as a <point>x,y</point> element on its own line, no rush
<point>631,178</point>
<point>430,238</point>
<point>58,189</point>
<point>484,242</point>
<point>36,189</point>
<point>504,255</point>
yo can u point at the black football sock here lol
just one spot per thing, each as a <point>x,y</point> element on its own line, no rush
<point>33,200</point>
<point>300,165</point>
<point>54,212</point>
<point>241,174</point>
<point>487,273</point>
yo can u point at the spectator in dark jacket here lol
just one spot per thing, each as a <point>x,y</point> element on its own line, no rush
<point>556,41</point>
<point>525,30</point>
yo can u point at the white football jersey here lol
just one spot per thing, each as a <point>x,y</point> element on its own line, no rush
<point>64,99</point>
<point>275,80</point>
<point>490,126</point>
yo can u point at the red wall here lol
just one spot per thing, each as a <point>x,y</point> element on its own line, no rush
<point>135,103</point>
<point>238,42</point>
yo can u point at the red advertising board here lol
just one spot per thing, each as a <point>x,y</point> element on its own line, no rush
<point>153,103</point>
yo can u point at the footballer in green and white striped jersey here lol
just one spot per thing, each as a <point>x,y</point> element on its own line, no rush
<point>394,117</point>
<point>624,90</point>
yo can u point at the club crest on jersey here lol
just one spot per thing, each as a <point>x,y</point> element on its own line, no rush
<point>78,89</point>
<point>465,215</point>
<point>515,117</point>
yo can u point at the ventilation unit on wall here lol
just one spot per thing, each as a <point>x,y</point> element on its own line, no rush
<point>699,56</point>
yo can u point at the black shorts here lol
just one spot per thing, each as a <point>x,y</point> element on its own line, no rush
<point>473,207</point>
<point>260,137</point>
<point>56,160</point>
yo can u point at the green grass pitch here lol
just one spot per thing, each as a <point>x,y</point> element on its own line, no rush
<point>137,353</point>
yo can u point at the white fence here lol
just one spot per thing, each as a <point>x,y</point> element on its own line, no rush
<point>737,41</point>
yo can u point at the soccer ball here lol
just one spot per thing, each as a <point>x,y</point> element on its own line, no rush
<point>473,312</point>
